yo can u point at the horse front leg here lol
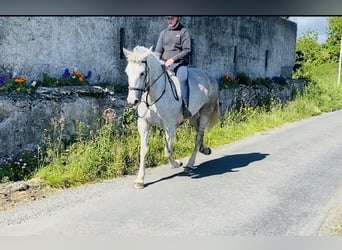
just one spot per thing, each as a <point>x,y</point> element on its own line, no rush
<point>169,135</point>
<point>143,128</point>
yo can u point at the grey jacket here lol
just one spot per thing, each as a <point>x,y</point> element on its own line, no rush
<point>174,43</point>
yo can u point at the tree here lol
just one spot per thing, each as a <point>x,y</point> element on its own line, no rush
<point>308,53</point>
<point>334,32</point>
<point>308,44</point>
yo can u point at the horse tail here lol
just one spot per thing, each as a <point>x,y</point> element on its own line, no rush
<point>214,116</point>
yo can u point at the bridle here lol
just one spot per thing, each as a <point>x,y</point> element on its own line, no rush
<point>147,87</point>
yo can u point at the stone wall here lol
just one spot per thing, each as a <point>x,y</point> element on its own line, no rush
<point>25,120</point>
<point>253,96</point>
<point>261,46</point>
<point>30,45</point>
<point>28,120</point>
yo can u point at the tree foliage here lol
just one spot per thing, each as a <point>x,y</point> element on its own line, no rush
<point>310,53</point>
<point>334,32</point>
<point>308,44</point>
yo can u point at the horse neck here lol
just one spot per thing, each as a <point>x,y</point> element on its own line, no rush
<point>156,79</point>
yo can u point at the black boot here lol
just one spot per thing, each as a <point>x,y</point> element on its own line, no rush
<point>186,113</point>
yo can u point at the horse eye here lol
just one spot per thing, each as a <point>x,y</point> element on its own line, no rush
<point>142,73</point>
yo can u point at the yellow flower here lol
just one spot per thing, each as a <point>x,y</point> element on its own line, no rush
<point>20,79</point>
<point>77,74</point>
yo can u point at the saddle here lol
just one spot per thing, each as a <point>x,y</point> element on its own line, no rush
<point>171,77</point>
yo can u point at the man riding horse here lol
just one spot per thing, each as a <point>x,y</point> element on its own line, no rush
<point>174,47</point>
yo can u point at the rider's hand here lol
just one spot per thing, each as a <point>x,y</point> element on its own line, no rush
<point>169,62</point>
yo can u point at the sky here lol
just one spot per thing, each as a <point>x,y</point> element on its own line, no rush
<point>317,23</point>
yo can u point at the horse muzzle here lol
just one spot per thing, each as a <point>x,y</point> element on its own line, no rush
<point>135,103</point>
<point>133,100</point>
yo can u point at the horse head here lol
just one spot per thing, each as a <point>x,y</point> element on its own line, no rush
<point>136,71</point>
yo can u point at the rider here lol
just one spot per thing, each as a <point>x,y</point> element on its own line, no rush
<point>174,47</point>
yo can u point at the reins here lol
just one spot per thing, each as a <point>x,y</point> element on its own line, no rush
<point>147,87</point>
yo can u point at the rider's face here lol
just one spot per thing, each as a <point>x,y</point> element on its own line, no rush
<point>172,20</point>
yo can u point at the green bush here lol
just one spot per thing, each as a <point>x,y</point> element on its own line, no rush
<point>243,78</point>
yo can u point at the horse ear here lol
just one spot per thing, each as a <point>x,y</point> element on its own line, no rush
<point>126,52</point>
<point>149,51</point>
<point>151,48</point>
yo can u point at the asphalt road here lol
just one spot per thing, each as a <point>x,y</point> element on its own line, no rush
<point>286,181</point>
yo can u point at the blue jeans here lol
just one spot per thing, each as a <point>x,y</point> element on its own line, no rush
<point>182,74</point>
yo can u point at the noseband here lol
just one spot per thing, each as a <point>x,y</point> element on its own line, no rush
<point>148,84</point>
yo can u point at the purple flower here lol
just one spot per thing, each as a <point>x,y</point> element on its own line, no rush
<point>88,75</point>
<point>9,75</point>
<point>66,73</point>
<point>2,80</point>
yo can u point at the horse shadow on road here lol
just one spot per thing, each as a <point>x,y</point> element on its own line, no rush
<point>218,166</point>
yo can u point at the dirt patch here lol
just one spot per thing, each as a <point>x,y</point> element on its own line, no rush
<point>15,193</point>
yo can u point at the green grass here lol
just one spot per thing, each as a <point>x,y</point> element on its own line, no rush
<point>111,153</point>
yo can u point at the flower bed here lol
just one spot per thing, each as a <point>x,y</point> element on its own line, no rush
<point>12,82</point>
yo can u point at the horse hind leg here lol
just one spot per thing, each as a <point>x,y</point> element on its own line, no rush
<point>202,122</point>
<point>213,115</point>
<point>169,135</point>
<point>195,122</point>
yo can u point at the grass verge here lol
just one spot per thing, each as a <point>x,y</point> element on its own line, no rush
<point>111,152</point>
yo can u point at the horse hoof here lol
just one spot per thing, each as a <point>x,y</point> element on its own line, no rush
<point>188,168</point>
<point>177,165</point>
<point>138,185</point>
<point>205,151</point>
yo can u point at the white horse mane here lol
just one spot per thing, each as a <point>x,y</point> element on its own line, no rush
<point>140,53</point>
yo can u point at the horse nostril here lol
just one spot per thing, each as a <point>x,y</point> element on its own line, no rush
<point>136,102</point>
